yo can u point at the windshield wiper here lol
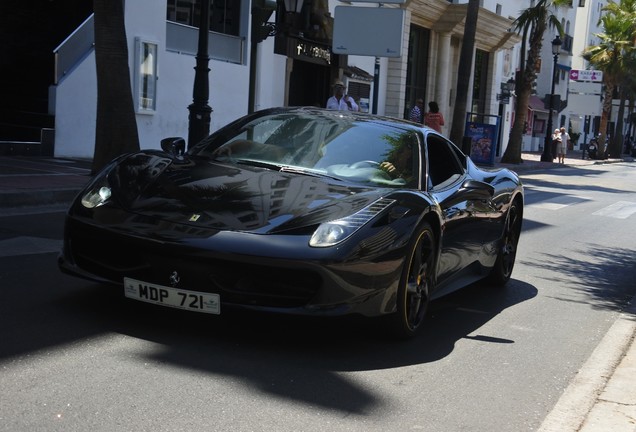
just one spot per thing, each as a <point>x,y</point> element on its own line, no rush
<point>261,164</point>
<point>285,168</point>
<point>307,171</point>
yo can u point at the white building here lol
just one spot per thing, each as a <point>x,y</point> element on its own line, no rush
<point>587,19</point>
<point>587,28</point>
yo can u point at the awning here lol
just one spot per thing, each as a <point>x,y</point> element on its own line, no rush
<point>564,67</point>
<point>536,104</point>
<point>357,73</point>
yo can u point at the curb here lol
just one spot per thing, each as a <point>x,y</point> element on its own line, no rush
<point>575,407</point>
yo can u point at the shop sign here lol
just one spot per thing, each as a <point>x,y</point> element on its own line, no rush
<point>586,75</point>
<point>311,51</point>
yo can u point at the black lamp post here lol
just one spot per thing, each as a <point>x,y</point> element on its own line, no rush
<point>510,85</point>
<point>199,119</point>
<point>546,156</point>
<point>507,89</point>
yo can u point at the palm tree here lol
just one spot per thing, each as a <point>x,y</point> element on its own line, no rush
<point>624,12</point>
<point>611,55</point>
<point>116,128</point>
<point>535,21</point>
<point>464,72</point>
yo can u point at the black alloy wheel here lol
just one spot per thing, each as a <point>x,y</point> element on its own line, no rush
<point>502,270</point>
<point>416,284</point>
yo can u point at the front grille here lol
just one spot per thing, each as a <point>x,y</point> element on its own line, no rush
<point>264,285</point>
<point>243,281</point>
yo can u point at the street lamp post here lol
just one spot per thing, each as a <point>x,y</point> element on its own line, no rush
<point>199,118</point>
<point>546,156</point>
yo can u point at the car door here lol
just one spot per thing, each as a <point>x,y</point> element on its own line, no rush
<point>465,206</point>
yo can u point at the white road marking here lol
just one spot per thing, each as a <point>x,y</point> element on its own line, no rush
<point>619,210</point>
<point>559,202</point>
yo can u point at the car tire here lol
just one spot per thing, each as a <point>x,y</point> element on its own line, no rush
<point>415,286</point>
<point>502,270</point>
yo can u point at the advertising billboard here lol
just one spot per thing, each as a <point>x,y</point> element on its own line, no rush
<point>367,31</point>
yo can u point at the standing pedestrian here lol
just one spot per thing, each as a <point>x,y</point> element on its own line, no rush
<point>434,119</point>
<point>562,147</point>
<point>417,115</point>
<point>556,141</point>
<point>339,100</point>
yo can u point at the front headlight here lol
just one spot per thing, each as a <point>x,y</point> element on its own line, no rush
<point>96,196</point>
<point>333,232</point>
<point>99,191</point>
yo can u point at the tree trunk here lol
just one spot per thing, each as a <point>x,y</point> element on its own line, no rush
<point>524,88</point>
<point>616,143</point>
<point>513,150</point>
<point>465,70</point>
<point>630,110</point>
<point>116,128</point>
<point>605,117</point>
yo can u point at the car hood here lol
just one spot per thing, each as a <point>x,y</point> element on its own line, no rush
<point>223,196</point>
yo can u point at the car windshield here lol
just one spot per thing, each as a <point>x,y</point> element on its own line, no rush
<point>320,142</point>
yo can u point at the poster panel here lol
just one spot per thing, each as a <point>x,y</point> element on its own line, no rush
<point>483,138</point>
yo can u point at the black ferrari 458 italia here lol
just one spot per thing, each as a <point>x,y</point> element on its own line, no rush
<point>301,211</point>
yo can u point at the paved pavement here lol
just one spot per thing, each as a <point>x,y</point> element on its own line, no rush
<point>29,181</point>
<point>602,396</point>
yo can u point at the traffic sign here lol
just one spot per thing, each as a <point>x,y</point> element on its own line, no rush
<point>586,75</point>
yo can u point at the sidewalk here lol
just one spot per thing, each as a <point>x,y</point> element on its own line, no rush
<point>40,181</point>
<point>532,161</point>
<point>602,396</point>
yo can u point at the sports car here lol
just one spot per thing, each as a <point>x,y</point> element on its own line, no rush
<point>298,210</point>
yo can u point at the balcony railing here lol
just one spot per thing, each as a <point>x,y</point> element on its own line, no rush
<point>184,39</point>
<point>179,38</point>
<point>77,45</point>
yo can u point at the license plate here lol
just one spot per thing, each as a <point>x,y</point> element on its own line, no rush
<point>172,297</point>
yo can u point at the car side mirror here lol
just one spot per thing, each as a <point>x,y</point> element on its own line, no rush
<point>477,188</point>
<point>174,146</point>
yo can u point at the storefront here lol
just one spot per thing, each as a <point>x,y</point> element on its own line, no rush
<point>311,66</point>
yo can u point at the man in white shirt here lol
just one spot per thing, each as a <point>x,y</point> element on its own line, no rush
<point>562,147</point>
<point>341,101</point>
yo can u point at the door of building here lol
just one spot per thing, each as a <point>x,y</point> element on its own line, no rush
<point>309,84</point>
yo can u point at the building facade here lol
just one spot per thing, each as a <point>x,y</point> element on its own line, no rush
<point>291,60</point>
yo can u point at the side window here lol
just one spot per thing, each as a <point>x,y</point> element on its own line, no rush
<point>443,166</point>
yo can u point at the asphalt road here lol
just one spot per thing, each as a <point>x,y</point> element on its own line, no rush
<point>76,356</point>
